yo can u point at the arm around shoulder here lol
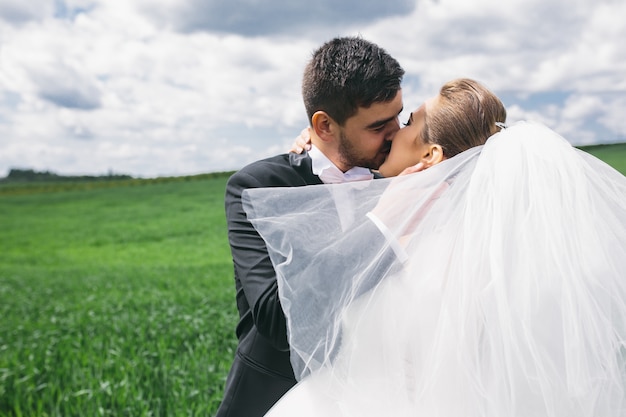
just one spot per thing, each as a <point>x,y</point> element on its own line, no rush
<point>254,273</point>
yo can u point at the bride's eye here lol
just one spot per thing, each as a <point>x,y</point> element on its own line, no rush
<point>408,122</point>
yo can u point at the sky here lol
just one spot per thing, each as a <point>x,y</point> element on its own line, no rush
<point>154,88</point>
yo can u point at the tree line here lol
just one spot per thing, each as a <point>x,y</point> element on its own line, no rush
<point>30,175</point>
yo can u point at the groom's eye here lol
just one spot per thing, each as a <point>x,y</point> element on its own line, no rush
<point>378,128</point>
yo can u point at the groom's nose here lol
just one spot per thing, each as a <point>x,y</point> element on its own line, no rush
<point>393,129</point>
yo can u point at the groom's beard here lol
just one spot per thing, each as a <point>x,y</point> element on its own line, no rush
<point>352,157</point>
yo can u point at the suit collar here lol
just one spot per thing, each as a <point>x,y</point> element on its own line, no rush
<point>303,165</point>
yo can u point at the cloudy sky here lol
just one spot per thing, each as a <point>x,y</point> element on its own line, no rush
<point>175,87</point>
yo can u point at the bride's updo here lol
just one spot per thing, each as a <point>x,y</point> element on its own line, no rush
<point>464,116</point>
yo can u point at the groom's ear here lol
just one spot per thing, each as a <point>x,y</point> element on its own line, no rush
<point>433,156</point>
<point>324,126</point>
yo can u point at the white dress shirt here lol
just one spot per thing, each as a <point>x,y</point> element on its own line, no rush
<point>330,174</point>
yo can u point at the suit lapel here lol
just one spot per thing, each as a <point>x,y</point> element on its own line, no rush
<point>302,164</point>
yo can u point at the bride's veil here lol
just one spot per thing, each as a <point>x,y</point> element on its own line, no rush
<point>493,283</point>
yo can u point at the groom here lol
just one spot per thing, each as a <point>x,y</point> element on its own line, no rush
<point>352,95</point>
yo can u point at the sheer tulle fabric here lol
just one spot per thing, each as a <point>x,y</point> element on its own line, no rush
<point>511,300</point>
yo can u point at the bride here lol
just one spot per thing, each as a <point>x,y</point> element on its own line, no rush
<point>507,296</point>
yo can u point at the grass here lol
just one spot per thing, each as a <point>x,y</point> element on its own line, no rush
<point>117,299</point>
<point>614,155</point>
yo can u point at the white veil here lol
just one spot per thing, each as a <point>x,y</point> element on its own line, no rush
<point>499,289</point>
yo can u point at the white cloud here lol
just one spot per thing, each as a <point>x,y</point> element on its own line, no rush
<point>145,86</point>
<point>19,11</point>
<point>93,85</point>
<point>612,118</point>
<point>254,18</point>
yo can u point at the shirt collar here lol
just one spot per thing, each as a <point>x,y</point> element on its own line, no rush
<point>330,174</point>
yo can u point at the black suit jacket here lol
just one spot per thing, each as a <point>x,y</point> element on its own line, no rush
<point>261,372</point>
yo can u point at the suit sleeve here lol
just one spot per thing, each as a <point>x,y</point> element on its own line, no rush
<point>252,263</point>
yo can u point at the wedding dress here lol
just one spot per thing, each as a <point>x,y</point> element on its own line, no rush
<point>492,284</point>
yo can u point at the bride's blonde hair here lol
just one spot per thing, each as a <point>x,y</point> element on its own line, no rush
<point>464,116</point>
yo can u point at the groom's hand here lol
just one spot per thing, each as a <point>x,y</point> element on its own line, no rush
<point>390,208</point>
<point>413,169</point>
<point>400,215</point>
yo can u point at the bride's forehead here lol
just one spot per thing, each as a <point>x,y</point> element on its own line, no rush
<point>419,112</point>
<point>426,106</point>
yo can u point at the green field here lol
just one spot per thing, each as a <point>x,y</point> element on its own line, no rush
<point>117,298</point>
<point>115,301</point>
<point>614,155</point>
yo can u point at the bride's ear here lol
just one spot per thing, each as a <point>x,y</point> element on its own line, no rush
<point>433,156</point>
<point>323,125</point>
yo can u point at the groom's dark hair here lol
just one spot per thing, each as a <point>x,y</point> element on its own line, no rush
<point>347,73</point>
